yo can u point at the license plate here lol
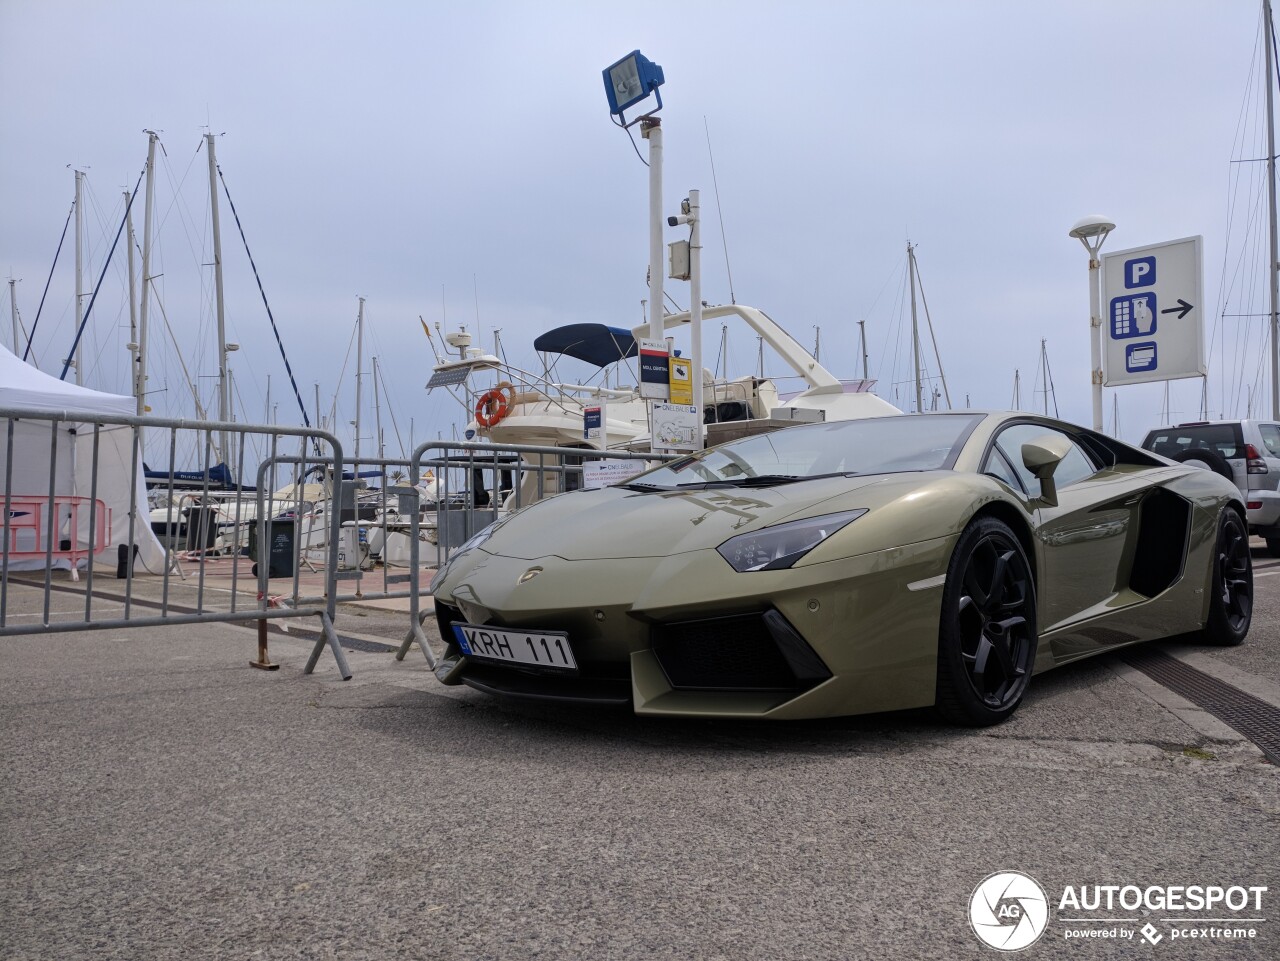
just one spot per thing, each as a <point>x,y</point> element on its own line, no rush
<point>536,648</point>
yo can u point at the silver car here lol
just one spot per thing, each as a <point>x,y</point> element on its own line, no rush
<point>1246,452</point>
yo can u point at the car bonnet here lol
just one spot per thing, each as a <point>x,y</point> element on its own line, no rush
<point>616,522</point>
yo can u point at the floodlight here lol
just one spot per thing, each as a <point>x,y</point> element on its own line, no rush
<point>631,80</point>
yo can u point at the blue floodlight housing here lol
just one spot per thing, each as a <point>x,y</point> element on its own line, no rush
<point>630,80</point>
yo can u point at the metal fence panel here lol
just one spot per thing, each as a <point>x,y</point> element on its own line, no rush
<point>50,521</point>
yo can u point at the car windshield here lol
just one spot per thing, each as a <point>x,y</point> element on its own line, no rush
<point>878,445</point>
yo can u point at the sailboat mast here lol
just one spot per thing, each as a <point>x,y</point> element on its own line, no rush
<point>140,385</point>
<point>377,408</point>
<point>224,399</point>
<point>1044,377</point>
<point>79,275</point>
<point>133,297</point>
<point>1271,210</point>
<point>359,375</point>
<point>915,327</point>
<point>13,310</point>
<point>862,337</point>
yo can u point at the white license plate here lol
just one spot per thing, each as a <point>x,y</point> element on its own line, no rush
<point>538,648</point>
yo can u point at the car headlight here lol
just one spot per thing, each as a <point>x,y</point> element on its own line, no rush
<point>777,548</point>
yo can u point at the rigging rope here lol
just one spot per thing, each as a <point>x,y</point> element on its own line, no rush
<point>274,329</point>
<point>79,333</point>
<point>36,322</point>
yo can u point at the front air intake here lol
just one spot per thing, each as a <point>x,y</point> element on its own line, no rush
<point>745,652</point>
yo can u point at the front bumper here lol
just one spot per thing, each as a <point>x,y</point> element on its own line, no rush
<point>687,635</point>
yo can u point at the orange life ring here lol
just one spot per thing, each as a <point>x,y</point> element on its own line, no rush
<point>495,404</point>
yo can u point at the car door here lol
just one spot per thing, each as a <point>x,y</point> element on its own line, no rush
<point>1085,541</point>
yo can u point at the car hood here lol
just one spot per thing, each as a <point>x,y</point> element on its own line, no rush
<point>620,523</point>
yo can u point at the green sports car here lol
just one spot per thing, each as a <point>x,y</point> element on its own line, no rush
<point>849,567</point>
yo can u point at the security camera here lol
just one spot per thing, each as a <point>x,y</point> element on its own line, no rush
<point>673,221</point>
<point>681,219</point>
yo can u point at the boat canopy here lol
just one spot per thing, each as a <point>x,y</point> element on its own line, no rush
<point>597,344</point>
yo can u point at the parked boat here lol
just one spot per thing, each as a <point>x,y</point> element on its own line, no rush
<point>511,406</point>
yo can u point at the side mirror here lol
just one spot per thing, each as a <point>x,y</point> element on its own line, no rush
<point>1042,456</point>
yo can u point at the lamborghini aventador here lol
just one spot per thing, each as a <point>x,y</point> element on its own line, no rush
<point>849,567</point>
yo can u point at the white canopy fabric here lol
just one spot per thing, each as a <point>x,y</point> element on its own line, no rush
<point>36,444</point>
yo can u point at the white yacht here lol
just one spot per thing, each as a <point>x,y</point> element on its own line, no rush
<point>507,405</point>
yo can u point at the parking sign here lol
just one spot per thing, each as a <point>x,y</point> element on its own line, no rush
<point>1153,318</point>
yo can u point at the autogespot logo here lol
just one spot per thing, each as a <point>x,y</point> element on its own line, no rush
<point>1008,911</point>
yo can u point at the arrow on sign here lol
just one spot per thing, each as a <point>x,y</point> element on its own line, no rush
<point>1181,310</point>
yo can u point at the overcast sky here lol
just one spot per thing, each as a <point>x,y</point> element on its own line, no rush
<point>457,161</point>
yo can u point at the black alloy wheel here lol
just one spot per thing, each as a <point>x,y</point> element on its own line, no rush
<point>987,638</point>
<point>1231,600</point>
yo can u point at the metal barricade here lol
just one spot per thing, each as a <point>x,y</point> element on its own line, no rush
<point>350,532</point>
<point>466,457</point>
<point>62,441</point>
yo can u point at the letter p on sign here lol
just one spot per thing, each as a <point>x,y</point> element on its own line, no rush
<point>1139,272</point>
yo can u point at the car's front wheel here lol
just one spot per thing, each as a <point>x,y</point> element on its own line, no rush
<point>987,637</point>
<point>1231,598</point>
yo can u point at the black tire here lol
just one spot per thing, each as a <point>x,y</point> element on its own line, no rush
<point>1210,458</point>
<point>987,635</point>
<point>1231,595</point>
<point>1273,546</point>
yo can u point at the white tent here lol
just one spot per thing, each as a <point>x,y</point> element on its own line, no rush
<point>68,448</point>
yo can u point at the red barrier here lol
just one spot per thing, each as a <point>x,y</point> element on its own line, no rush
<point>29,527</point>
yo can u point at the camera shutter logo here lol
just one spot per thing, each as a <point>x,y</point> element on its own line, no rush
<point>1008,911</point>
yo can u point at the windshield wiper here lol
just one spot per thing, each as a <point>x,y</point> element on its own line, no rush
<point>639,486</point>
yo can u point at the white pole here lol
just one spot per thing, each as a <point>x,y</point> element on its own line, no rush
<point>652,129</point>
<point>224,399</point>
<point>13,309</point>
<point>862,336</point>
<point>695,308</point>
<point>141,388</point>
<point>1095,329</point>
<point>133,298</point>
<point>1271,208</point>
<point>79,276</point>
<point>359,378</point>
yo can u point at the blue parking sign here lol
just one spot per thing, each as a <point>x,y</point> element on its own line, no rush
<point>1139,272</point>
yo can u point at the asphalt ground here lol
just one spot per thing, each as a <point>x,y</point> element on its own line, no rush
<point>160,799</point>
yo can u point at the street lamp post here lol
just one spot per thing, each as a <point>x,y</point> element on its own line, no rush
<point>1092,232</point>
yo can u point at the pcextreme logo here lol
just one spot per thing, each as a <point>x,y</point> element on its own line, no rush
<point>1010,911</point>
